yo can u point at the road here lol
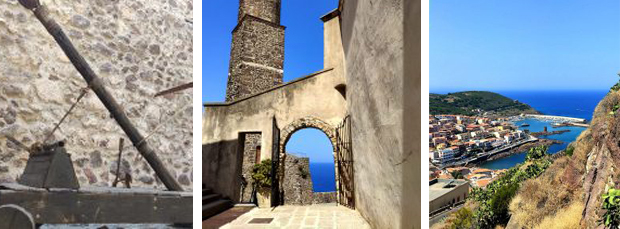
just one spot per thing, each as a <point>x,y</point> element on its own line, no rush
<point>489,153</point>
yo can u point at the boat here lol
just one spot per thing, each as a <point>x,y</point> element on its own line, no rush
<point>525,125</point>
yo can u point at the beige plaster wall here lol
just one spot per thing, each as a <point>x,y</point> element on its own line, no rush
<point>383,100</point>
<point>313,96</point>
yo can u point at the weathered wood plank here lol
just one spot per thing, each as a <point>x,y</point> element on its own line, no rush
<point>70,207</point>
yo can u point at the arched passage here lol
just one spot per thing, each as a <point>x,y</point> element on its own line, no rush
<point>297,196</point>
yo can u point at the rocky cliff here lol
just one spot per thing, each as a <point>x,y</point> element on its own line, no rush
<point>137,47</point>
<point>568,194</point>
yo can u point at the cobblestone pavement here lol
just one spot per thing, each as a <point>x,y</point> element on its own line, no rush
<point>313,216</point>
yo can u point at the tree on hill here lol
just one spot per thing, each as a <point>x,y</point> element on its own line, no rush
<point>457,174</point>
<point>465,103</point>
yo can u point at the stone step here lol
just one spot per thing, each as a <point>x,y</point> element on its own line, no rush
<point>210,198</point>
<point>215,207</point>
<point>206,191</point>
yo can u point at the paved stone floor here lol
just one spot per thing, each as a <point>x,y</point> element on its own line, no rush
<point>313,216</point>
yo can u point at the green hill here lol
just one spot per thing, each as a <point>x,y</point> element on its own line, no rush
<point>477,103</point>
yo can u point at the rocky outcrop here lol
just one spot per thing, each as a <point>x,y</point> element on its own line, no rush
<point>575,183</point>
<point>138,48</point>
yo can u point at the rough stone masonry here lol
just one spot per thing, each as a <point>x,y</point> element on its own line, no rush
<point>137,47</point>
<point>257,50</point>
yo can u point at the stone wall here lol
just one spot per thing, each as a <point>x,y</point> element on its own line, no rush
<point>256,57</point>
<point>137,47</point>
<point>324,197</point>
<point>297,183</point>
<point>266,9</point>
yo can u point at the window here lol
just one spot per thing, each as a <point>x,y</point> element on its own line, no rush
<point>257,161</point>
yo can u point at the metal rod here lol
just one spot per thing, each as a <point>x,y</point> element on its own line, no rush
<point>118,162</point>
<point>94,82</point>
<point>82,94</point>
<point>175,89</point>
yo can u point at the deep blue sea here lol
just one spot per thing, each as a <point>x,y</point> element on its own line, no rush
<point>578,104</point>
<point>323,177</point>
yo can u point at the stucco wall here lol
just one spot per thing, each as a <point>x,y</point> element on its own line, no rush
<point>288,103</point>
<point>386,179</point>
<point>137,47</point>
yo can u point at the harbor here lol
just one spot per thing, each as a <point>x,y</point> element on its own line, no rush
<point>485,155</point>
<point>566,134</point>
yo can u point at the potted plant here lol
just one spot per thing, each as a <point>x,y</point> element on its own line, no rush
<point>261,175</point>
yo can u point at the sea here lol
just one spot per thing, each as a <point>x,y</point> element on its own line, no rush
<point>323,177</point>
<point>577,104</point>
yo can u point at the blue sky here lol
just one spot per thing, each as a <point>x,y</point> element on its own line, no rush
<point>524,45</point>
<point>313,143</point>
<point>303,42</point>
<point>303,54</point>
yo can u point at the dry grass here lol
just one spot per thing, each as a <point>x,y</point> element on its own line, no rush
<point>544,196</point>
<point>568,218</point>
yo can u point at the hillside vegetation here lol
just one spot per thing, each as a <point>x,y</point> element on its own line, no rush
<point>577,189</point>
<point>477,103</point>
<point>574,186</point>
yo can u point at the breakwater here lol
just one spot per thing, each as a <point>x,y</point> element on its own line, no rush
<point>556,118</point>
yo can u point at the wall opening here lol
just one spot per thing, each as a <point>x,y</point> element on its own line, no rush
<point>310,176</point>
<point>250,147</point>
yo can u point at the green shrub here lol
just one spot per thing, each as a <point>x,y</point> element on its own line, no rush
<point>303,173</point>
<point>500,201</point>
<point>261,174</point>
<point>536,153</point>
<point>464,219</point>
<point>611,203</point>
<point>615,87</point>
<point>569,150</point>
<point>457,175</point>
<point>494,199</point>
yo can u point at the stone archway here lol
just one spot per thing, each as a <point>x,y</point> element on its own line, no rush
<point>306,122</point>
<point>289,130</point>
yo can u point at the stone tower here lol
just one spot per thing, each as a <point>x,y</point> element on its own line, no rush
<point>257,52</point>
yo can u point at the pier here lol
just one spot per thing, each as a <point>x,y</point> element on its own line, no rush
<point>571,120</point>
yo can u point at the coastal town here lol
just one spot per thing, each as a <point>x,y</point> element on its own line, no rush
<point>458,140</point>
<point>454,138</point>
<point>458,144</point>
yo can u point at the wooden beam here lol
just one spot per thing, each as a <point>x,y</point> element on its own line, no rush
<point>101,205</point>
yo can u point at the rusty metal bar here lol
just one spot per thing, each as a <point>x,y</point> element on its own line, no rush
<point>94,82</point>
<point>175,89</point>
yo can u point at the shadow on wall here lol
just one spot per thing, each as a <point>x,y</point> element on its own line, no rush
<point>411,119</point>
<point>221,169</point>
